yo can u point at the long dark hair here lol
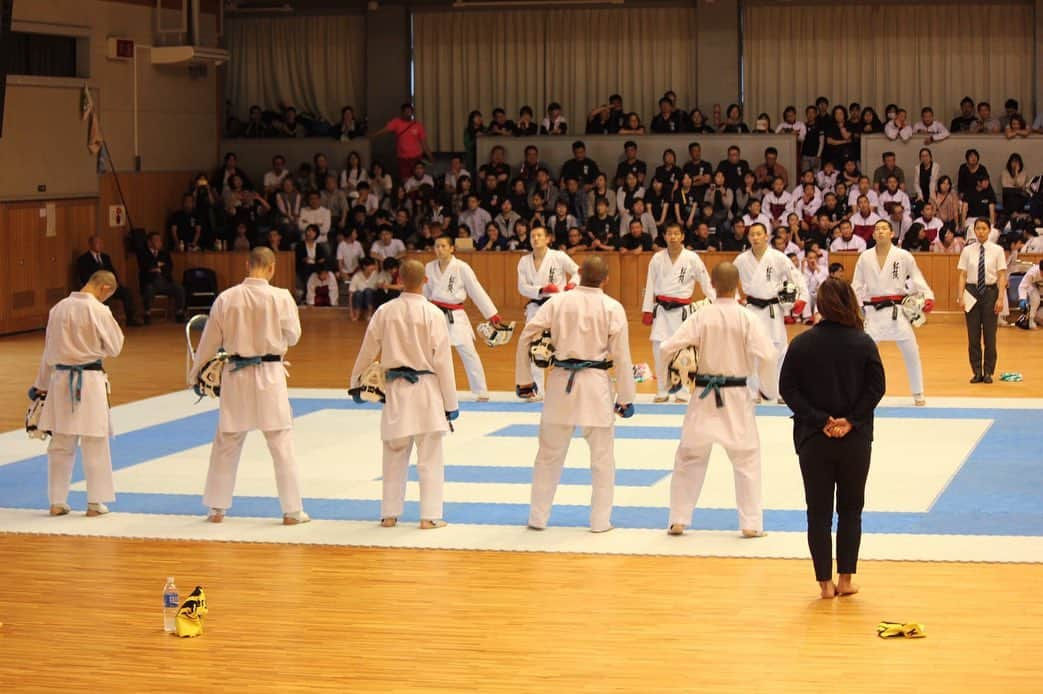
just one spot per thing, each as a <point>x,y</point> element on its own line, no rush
<point>836,301</point>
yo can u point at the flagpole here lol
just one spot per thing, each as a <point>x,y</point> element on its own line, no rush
<point>108,156</point>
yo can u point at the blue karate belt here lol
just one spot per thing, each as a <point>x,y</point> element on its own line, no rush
<point>411,375</point>
<point>238,361</point>
<point>574,366</point>
<point>76,378</point>
<point>715,383</point>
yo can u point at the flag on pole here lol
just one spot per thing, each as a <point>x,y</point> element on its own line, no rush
<point>88,115</point>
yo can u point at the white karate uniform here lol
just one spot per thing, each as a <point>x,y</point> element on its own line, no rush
<point>932,227</point>
<point>763,279</point>
<point>871,195</point>
<point>314,283</point>
<point>674,279</point>
<point>320,217</point>
<point>556,268</point>
<point>872,280</point>
<point>251,319</point>
<point>411,332</point>
<point>813,278</point>
<point>1033,245</point>
<point>807,209</point>
<point>762,218</point>
<point>778,207</point>
<point>827,183</point>
<point>1029,289</point>
<point>80,330</point>
<point>453,286</point>
<point>730,341</point>
<point>898,196</point>
<point>589,325</point>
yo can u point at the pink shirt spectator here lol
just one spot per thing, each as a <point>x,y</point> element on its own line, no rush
<point>409,137</point>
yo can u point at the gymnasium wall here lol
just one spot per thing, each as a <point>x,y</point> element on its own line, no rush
<point>44,135</point>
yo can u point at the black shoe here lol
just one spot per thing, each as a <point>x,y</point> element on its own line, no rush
<point>987,379</point>
<point>134,323</point>
<point>977,379</point>
<point>179,318</point>
<point>148,319</point>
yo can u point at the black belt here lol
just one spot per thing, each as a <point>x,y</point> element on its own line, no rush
<point>715,383</point>
<point>574,366</point>
<point>764,303</point>
<point>671,306</point>
<point>973,288</point>
<point>539,302</point>
<point>886,303</point>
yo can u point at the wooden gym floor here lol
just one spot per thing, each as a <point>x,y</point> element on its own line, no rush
<point>83,613</point>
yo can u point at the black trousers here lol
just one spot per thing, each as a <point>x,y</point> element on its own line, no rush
<point>840,465</point>
<point>981,327</point>
<point>123,294</point>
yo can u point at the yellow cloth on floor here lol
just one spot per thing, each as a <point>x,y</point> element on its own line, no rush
<point>190,615</point>
<point>909,630</point>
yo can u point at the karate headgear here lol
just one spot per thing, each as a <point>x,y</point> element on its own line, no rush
<point>787,296</point>
<point>208,382</point>
<point>496,334</point>
<point>541,351</point>
<point>189,620</point>
<point>372,384</point>
<point>912,307</point>
<point>697,306</point>
<point>1023,321</point>
<point>682,369</point>
<point>32,416</point>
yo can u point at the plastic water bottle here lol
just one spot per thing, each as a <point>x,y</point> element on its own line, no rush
<point>170,604</point>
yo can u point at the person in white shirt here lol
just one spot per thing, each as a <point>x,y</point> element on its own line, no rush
<point>409,336</point>
<point>419,178</point>
<point>733,348</point>
<point>273,179</point>
<point>936,132</point>
<point>387,246</point>
<point>349,253</point>
<point>362,291</point>
<point>366,199</point>
<point>256,324</point>
<point>590,336</point>
<point>790,124</point>
<point>542,274</point>
<point>1029,295</point>
<point>863,221</point>
<point>451,180</point>
<point>322,289</point>
<point>827,178</point>
<point>1034,245</point>
<point>808,203</point>
<point>762,273</point>
<point>554,123</point>
<point>450,282</point>
<point>899,127</point>
<point>353,174</point>
<point>982,285</point>
<point>475,218</point>
<point>778,203</point>
<point>672,275</point>
<point>847,241</point>
<point>864,188</point>
<point>900,221</point>
<point>893,194</point>
<point>815,273</point>
<point>1037,125</point>
<point>315,214</point>
<point>883,277</point>
<point>755,216</point>
<point>81,332</point>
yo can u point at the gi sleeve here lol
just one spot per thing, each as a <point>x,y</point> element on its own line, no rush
<point>760,347</point>
<point>527,284</point>
<point>210,342</point>
<point>917,278</point>
<point>313,281</point>
<point>619,348</point>
<point>534,328</point>
<point>331,282</point>
<point>289,319</point>
<point>370,348</point>
<point>703,277</point>
<point>648,304</point>
<point>858,281</point>
<point>109,331</point>
<point>687,335</point>
<point>477,293</point>
<point>571,269</point>
<point>442,358</point>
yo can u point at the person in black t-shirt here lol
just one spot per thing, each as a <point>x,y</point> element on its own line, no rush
<point>580,167</point>
<point>667,121</point>
<point>981,202</point>
<point>811,146</point>
<point>603,228</point>
<point>630,164</point>
<point>599,121</point>
<point>702,240</point>
<point>636,239</point>
<point>967,118</point>
<point>525,126</point>
<point>617,116</point>
<point>500,125</point>
<point>734,168</point>
<point>970,173</point>
<point>185,227</point>
<point>700,171</point>
<point>736,240</point>
<point>498,168</point>
<point>668,173</point>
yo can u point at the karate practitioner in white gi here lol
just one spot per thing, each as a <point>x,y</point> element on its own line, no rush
<point>81,332</point>
<point>731,345</point>
<point>542,274</point>
<point>762,272</point>
<point>409,335</point>
<point>256,324</point>
<point>589,332</point>
<point>672,274</point>
<point>882,278</point>
<point>450,282</point>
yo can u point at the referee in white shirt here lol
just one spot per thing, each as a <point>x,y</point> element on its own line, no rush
<point>983,279</point>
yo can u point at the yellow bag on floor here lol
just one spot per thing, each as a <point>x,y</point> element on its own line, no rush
<point>909,630</point>
<point>190,615</point>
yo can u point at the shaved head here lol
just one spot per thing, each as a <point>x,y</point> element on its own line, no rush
<point>103,278</point>
<point>725,278</point>
<point>593,272</point>
<point>411,273</point>
<point>261,257</point>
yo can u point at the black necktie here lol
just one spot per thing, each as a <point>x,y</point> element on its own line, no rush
<point>981,270</point>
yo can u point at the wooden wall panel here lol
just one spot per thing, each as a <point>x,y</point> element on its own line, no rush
<point>230,267</point>
<point>498,274</point>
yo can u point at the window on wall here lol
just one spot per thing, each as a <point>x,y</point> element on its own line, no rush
<point>41,55</point>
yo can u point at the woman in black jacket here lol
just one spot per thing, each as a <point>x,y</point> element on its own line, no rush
<point>832,379</point>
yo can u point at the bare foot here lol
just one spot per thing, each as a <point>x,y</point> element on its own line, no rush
<point>60,509</point>
<point>216,515</point>
<point>753,533</point>
<point>482,398</point>
<point>845,586</point>
<point>389,522</point>
<point>675,529</point>
<point>432,524</point>
<point>602,530</point>
<point>828,588</point>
